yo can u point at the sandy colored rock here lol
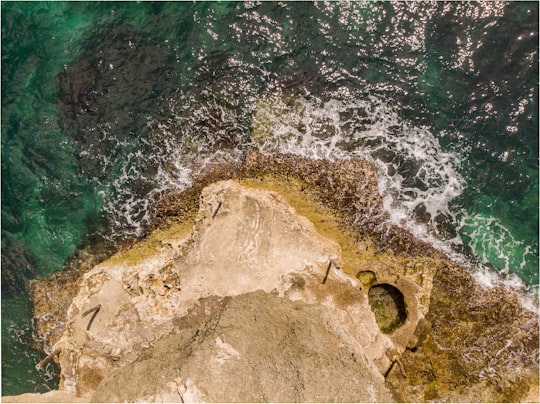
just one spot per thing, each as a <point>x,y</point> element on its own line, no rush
<point>453,345</point>
<point>243,240</point>
<point>255,347</point>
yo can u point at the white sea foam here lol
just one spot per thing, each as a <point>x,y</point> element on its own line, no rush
<point>491,241</point>
<point>414,171</point>
<point>417,178</point>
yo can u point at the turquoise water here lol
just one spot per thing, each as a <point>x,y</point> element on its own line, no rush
<point>107,105</point>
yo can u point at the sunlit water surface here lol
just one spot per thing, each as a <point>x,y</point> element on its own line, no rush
<point>105,106</point>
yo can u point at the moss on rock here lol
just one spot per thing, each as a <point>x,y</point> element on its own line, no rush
<point>368,278</point>
<point>387,303</point>
<point>483,346</point>
<point>152,244</point>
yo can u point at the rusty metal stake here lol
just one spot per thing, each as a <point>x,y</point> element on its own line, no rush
<point>327,272</point>
<point>94,309</point>
<point>216,211</point>
<point>400,365</point>
<point>48,358</point>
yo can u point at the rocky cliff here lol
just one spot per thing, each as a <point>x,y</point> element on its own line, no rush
<point>286,284</point>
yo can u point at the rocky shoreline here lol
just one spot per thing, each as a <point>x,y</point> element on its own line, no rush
<point>284,272</point>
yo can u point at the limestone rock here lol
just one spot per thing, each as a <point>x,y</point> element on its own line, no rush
<point>243,240</point>
<point>381,299</point>
<point>255,347</point>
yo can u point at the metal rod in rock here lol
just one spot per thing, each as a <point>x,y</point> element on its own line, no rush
<point>327,272</point>
<point>48,358</point>
<point>216,211</point>
<point>94,309</point>
<point>400,366</point>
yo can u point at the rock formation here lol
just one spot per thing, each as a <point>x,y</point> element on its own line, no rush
<point>286,284</point>
<point>250,348</point>
<point>244,240</point>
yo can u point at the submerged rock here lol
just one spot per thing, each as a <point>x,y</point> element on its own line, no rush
<point>389,307</point>
<point>240,282</point>
<point>108,92</point>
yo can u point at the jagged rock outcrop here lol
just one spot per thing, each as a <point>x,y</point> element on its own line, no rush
<point>483,346</point>
<point>192,303</point>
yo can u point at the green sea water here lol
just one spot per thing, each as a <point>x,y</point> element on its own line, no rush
<point>105,106</point>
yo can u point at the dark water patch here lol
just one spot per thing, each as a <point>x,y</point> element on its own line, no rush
<point>108,94</point>
<point>388,305</point>
<point>18,265</point>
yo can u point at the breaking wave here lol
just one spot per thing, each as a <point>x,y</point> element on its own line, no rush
<point>417,178</point>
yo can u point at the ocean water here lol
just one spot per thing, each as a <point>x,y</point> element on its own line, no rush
<point>107,105</point>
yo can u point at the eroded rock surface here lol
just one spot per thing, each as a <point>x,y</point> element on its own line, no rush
<point>448,339</point>
<point>244,240</point>
<point>483,346</point>
<point>255,347</point>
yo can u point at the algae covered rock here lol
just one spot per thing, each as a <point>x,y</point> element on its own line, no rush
<point>388,304</point>
<point>482,347</point>
<point>368,278</point>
